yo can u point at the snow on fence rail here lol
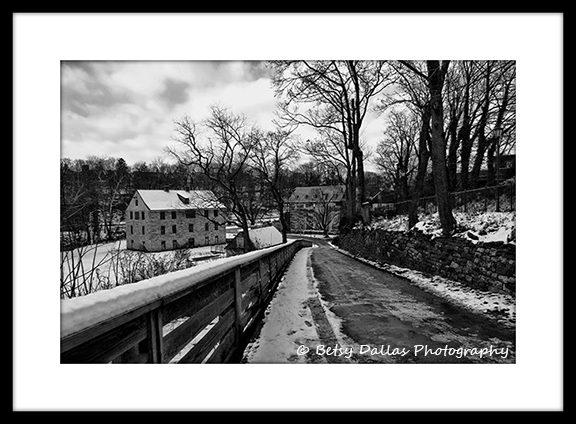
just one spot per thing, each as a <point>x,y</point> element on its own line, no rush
<point>203,314</point>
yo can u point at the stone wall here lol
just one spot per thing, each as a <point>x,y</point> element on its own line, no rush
<point>486,266</point>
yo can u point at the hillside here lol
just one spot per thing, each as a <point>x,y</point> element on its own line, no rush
<point>478,222</point>
<point>476,227</point>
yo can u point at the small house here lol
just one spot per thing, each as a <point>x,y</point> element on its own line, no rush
<point>261,237</point>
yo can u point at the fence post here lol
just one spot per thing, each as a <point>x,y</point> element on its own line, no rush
<point>260,291</point>
<point>465,201</point>
<point>154,330</point>
<point>237,305</point>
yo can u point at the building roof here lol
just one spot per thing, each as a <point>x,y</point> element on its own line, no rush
<point>336,193</point>
<point>179,199</point>
<point>263,237</point>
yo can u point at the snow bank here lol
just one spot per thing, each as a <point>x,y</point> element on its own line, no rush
<point>86,311</point>
<point>476,227</point>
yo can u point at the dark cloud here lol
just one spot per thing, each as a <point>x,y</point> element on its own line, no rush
<point>91,94</point>
<point>175,92</point>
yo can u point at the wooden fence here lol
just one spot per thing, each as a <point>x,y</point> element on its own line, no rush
<point>484,199</point>
<point>210,320</point>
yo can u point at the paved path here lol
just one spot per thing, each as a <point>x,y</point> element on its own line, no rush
<point>335,309</point>
<point>386,312</point>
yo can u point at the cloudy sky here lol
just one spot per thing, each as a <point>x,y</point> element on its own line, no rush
<point>127,108</point>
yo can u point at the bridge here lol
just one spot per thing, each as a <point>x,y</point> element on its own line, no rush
<point>204,314</point>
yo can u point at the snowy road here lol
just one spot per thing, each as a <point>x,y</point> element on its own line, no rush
<point>331,308</point>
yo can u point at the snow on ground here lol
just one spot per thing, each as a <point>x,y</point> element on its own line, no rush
<point>476,227</point>
<point>288,322</point>
<point>103,259</point>
<point>495,306</point>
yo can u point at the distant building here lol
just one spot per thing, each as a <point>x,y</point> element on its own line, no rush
<point>261,237</point>
<point>158,220</point>
<point>316,208</point>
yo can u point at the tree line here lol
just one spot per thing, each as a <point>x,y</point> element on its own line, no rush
<point>444,121</point>
<point>95,191</point>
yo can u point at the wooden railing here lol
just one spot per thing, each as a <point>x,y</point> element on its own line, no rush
<point>208,320</point>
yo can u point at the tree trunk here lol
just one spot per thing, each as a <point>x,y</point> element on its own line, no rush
<point>352,193</point>
<point>283,222</point>
<point>438,146</point>
<point>361,181</point>
<point>464,139</point>
<point>423,157</point>
<point>248,244</point>
<point>465,152</point>
<point>452,152</point>
<point>357,151</point>
<point>482,141</point>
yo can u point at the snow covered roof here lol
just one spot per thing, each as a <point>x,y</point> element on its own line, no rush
<point>318,194</point>
<point>179,199</point>
<point>264,237</point>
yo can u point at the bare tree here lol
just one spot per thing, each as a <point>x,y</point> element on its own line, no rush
<point>396,152</point>
<point>222,156</point>
<point>504,100</point>
<point>336,96</point>
<point>274,153</point>
<point>436,73</point>
<point>330,153</point>
<point>412,91</point>
<point>488,102</point>
<point>325,211</point>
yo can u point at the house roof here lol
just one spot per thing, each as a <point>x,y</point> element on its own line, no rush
<point>263,237</point>
<point>335,193</point>
<point>179,199</point>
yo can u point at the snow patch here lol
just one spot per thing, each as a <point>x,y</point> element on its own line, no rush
<point>476,227</point>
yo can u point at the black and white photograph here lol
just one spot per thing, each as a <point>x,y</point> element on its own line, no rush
<point>333,211</point>
<point>308,214</point>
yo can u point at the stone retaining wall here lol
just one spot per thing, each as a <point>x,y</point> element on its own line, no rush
<point>486,266</point>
